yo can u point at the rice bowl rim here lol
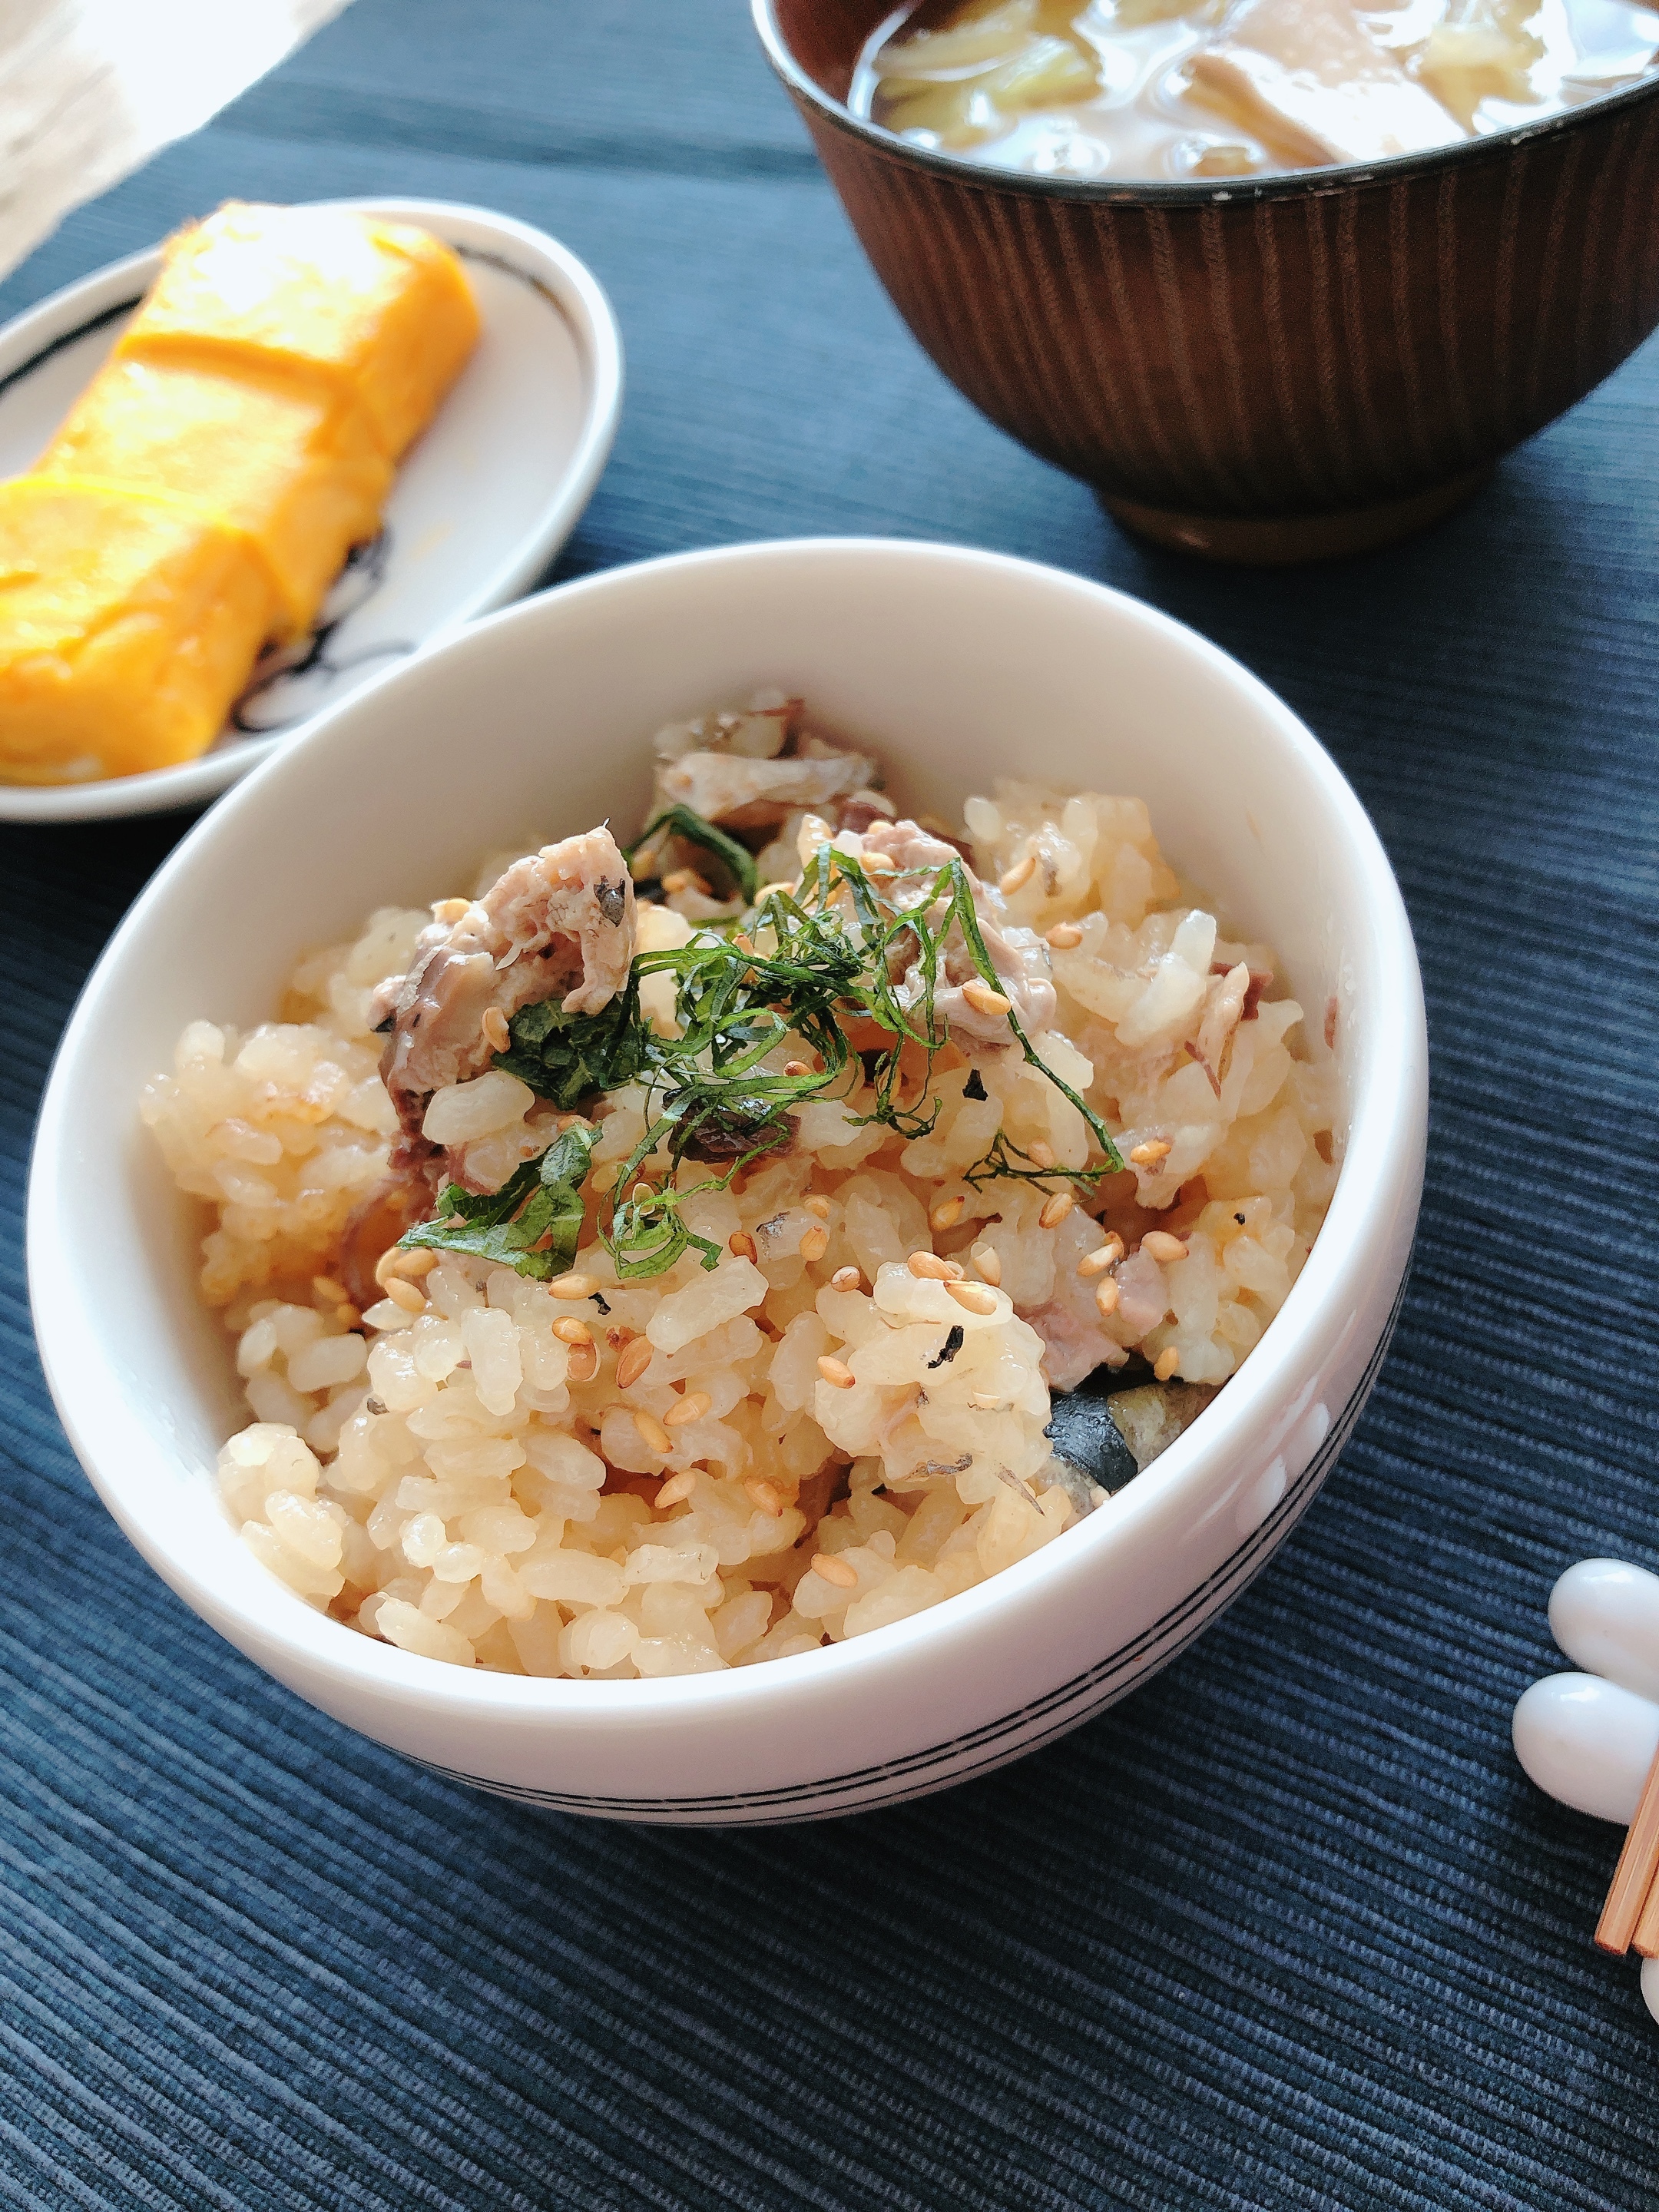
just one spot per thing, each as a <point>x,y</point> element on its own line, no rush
<point>1382,1161</point>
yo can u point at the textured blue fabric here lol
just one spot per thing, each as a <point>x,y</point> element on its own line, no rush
<point>1288,1929</point>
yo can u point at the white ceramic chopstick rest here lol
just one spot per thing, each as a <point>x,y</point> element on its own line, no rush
<point>1589,1739</point>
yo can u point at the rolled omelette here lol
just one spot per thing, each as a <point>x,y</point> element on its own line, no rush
<point>206,487</point>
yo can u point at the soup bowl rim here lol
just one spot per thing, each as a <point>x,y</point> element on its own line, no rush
<point>1280,185</point>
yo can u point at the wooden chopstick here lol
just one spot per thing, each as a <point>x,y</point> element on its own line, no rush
<point>1633,1877</point>
<point>1645,1942</point>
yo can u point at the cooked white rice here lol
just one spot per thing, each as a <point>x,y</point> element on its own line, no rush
<point>441,1479</point>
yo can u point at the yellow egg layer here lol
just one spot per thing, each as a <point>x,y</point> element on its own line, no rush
<point>301,472</point>
<point>129,621</point>
<point>378,312</point>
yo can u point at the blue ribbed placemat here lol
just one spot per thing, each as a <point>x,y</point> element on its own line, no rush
<point>1289,1928</point>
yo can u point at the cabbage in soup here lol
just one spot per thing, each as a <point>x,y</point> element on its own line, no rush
<point>1169,89</point>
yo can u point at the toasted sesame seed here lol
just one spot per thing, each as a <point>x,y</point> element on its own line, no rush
<point>1106,1295</point>
<point>496,1034</point>
<point>988,1261</point>
<point>641,1194</point>
<point>652,1435</point>
<point>1158,1244</point>
<point>584,1363</point>
<point>574,1286</point>
<point>948,1212</point>
<point>686,879</point>
<point>818,1206</point>
<point>328,1292</point>
<point>569,1330</point>
<point>927,1268</point>
<point>1039,1154</point>
<point>676,1489</point>
<point>1065,935</point>
<point>691,1408</point>
<point>880,864</point>
<point>633,1360</point>
<point>796,1067</point>
<point>836,1372</point>
<point>764,1495</point>
<point>977,1297</point>
<point>405,1295</point>
<point>771,890</point>
<point>984,1401</point>
<point>450,910</point>
<point>346,1317</point>
<point>1018,876</point>
<point>1166,1363</point>
<point>741,1243</point>
<point>1149,1154</point>
<point>814,1244</point>
<point>1097,1263</point>
<point>835,1570</point>
<point>983,999</point>
<point>1056,1210</point>
<point>847,1279</point>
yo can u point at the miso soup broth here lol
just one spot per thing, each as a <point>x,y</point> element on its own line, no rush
<point>1172,89</point>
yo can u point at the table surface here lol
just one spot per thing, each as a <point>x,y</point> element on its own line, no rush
<point>1287,1928</point>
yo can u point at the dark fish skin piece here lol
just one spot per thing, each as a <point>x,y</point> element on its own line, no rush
<point>1110,1438</point>
<point>1084,1435</point>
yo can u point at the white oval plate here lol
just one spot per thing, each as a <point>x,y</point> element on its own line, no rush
<point>481,505</point>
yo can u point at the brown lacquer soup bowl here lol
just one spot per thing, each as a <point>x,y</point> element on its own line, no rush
<point>1273,368</point>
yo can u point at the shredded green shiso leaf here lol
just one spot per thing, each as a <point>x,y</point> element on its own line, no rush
<point>709,1088</point>
<point>738,860</point>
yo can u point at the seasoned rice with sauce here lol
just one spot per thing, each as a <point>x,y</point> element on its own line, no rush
<point>844,1420</point>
